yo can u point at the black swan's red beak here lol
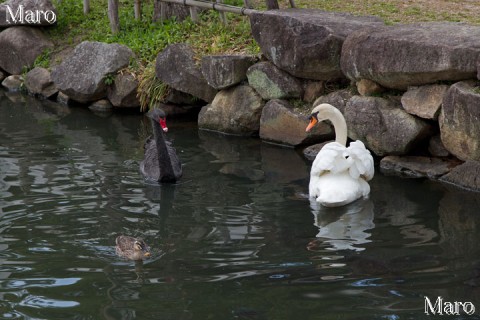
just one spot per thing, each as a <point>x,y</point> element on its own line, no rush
<point>163,124</point>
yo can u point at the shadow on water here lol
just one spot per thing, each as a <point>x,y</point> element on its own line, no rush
<point>235,238</point>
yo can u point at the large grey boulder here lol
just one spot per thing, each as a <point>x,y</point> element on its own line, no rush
<point>367,87</point>
<point>176,111</point>
<point>234,110</point>
<point>82,75</point>
<point>24,12</point>
<point>176,67</point>
<point>459,125</point>
<point>417,166</point>
<point>313,89</point>
<point>13,82</point>
<point>424,101</point>
<point>39,82</point>
<point>311,152</point>
<point>273,83</point>
<point>412,54</point>
<point>223,71</point>
<point>383,125</point>
<point>436,147</point>
<point>101,106</point>
<point>466,175</point>
<point>179,97</point>
<point>123,92</point>
<point>306,42</point>
<point>63,99</point>
<point>280,124</point>
<point>20,46</point>
<point>179,12</point>
<point>338,99</point>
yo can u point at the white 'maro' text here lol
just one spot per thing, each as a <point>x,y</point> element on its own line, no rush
<point>23,16</point>
<point>441,307</point>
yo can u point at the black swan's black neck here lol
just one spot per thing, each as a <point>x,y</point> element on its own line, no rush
<point>164,161</point>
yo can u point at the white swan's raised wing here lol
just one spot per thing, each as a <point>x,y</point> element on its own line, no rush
<point>361,161</point>
<point>331,158</point>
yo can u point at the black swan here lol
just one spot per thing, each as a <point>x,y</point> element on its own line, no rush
<point>160,162</point>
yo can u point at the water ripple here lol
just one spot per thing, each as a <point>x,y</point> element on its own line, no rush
<point>43,302</point>
<point>37,282</point>
<point>232,235</point>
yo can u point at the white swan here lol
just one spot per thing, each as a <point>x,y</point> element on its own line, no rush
<point>339,174</point>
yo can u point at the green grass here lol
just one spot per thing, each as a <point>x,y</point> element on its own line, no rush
<point>147,38</point>
<point>151,90</point>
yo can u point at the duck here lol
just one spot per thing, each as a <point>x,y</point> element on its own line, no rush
<point>339,174</point>
<point>160,162</point>
<point>131,248</point>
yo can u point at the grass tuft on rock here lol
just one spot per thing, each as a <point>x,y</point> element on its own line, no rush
<point>150,89</point>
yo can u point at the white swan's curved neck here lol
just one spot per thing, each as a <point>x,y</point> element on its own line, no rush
<point>329,112</point>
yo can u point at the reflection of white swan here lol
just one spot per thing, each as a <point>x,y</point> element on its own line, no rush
<point>339,174</point>
<point>345,227</point>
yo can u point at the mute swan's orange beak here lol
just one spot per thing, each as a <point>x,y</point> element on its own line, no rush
<point>313,122</point>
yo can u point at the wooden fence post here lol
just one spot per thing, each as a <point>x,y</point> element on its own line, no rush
<point>137,7</point>
<point>163,11</point>
<point>86,6</point>
<point>156,10</point>
<point>272,4</point>
<point>113,16</point>
<point>223,17</point>
<point>159,11</point>
<point>194,14</point>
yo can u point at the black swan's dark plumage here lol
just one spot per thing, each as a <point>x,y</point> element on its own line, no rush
<point>160,162</point>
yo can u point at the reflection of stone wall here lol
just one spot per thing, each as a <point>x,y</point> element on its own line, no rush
<point>459,238</point>
<point>459,223</point>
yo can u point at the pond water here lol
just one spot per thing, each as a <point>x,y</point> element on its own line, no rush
<point>236,238</point>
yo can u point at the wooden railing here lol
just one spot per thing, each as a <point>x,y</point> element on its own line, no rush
<point>217,5</point>
<point>193,6</point>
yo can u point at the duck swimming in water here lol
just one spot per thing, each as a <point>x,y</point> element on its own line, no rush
<point>131,248</point>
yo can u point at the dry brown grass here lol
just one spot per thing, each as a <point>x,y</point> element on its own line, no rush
<point>401,11</point>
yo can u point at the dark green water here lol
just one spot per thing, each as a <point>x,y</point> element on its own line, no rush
<point>236,238</point>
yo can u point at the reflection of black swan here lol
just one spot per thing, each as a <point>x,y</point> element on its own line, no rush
<point>160,162</point>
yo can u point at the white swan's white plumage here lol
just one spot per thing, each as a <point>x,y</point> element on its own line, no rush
<point>339,174</point>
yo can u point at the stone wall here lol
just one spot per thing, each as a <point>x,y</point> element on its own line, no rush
<point>409,92</point>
